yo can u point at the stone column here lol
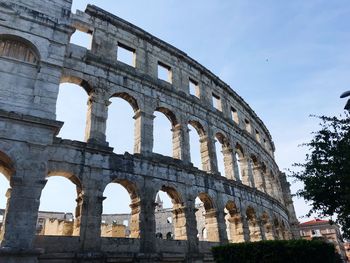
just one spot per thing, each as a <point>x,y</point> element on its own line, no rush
<point>247,172</point>
<point>179,222</point>
<point>91,215</point>
<point>221,223</point>
<point>229,163</point>
<point>181,143</point>
<point>261,228</point>
<point>235,167</point>
<point>246,231</point>
<point>95,131</point>
<point>211,224</point>
<point>147,225</point>
<point>259,179</point>
<point>143,137</point>
<point>21,215</point>
<point>208,155</point>
<point>78,212</point>
<point>191,227</point>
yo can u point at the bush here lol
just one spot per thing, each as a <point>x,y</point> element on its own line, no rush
<point>277,251</point>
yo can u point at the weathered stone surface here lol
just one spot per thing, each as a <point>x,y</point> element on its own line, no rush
<point>251,201</point>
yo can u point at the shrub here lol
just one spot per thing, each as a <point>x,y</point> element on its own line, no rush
<point>277,251</point>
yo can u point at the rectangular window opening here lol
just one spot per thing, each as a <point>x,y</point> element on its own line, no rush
<point>257,134</point>
<point>247,126</point>
<point>83,39</point>
<point>164,72</point>
<point>216,102</point>
<point>234,115</point>
<point>126,55</point>
<point>194,88</point>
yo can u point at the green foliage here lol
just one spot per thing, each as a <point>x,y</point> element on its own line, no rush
<point>277,251</point>
<point>326,171</point>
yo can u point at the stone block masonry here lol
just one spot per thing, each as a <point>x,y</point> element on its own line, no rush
<point>250,201</point>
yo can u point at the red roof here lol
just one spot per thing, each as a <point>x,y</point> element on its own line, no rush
<point>315,221</point>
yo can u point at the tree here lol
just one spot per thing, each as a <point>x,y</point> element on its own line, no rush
<point>326,171</point>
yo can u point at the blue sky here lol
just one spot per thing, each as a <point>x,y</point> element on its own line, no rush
<point>287,59</point>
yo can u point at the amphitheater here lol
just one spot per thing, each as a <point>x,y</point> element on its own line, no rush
<point>249,201</point>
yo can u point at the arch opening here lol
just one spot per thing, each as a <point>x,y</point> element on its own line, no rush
<point>60,206</point>
<point>259,181</point>
<point>225,158</point>
<point>203,153</point>
<point>267,226</point>
<point>234,224</point>
<point>72,108</point>
<point>120,210</point>
<point>253,224</point>
<point>170,214</point>
<point>120,123</point>
<point>165,137</point>
<point>207,225</point>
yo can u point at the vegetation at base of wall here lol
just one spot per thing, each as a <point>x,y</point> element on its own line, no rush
<point>277,251</point>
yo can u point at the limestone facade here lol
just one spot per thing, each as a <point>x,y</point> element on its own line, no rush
<point>250,201</point>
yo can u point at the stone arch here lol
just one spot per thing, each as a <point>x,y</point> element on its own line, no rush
<point>241,164</point>
<point>178,213</point>
<point>210,217</point>
<point>7,169</point>
<point>171,148</point>
<point>253,224</point>
<point>234,224</point>
<point>67,77</point>
<point>198,126</point>
<point>227,154</point>
<point>259,181</point>
<point>267,225</point>
<point>132,120</point>
<point>72,86</point>
<point>19,48</point>
<point>169,114</point>
<point>128,98</point>
<point>278,228</point>
<point>133,191</point>
<point>69,225</point>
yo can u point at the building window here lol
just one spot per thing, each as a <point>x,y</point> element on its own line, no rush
<point>126,54</point>
<point>164,72</point>
<point>247,126</point>
<point>257,135</point>
<point>234,115</point>
<point>83,39</point>
<point>18,49</point>
<point>216,102</point>
<point>194,88</point>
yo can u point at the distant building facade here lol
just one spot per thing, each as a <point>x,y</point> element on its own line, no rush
<point>319,229</point>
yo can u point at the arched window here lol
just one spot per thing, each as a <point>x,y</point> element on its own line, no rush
<point>18,48</point>
<point>121,210</point>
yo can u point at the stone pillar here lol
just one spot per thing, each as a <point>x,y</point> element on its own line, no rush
<point>208,155</point>
<point>211,224</point>
<point>191,227</point>
<point>246,231</point>
<point>259,179</point>
<point>236,168</point>
<point>143,137</point>
<point>261,229</point>
<point>181,143</point>
<point>135,219</point>
<point>21,215</point>
<point>179,222</point>
<point>221,223</point>
<point>78,211</point>
<point>229,163</point>
<point>247,172</point>
<point>147,225</point>
<point>91,215</point>
<point>95,131</point>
